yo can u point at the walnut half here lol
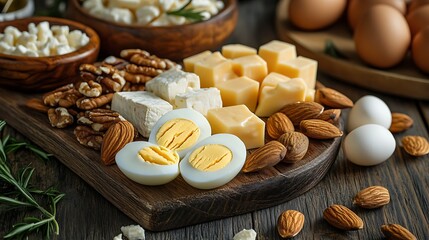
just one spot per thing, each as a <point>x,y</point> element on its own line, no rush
<point>88,137</point>
<point>60,117</point>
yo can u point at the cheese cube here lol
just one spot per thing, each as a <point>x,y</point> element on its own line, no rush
<point>201,100</point>
<point>242,90</point>
<point>172,82</point>
<point>273,79</point>
<point>300,67</point>
<point>212,69</point>
<point>276,51</point>
<point>273,99</point>
<point>189,62</point>
<point>251,66</point>
<point>140,108</point>
<point>240,121</point>
<point>237,50</point>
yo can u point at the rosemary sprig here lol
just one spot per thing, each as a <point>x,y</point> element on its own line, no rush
<point>188,13</point>
<point>22,196</point>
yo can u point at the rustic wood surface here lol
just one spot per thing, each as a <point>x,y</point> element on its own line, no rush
<point>85,214</point>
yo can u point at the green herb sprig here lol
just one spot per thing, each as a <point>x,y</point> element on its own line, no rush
<point>188,13</point>
<point>21,195</point>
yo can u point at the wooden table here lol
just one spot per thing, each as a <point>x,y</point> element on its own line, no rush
<point>85,214</point>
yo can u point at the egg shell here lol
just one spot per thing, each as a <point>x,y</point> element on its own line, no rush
<point>357,8</point>
<point>313,15</point>
<point>420,49</point>
<point>369,145</point>
<point>369,109</point>
<point>418,19</point>
<point>382,37</point>
<point>185,113</point>
<point>209,180</point>
<point>143,172</point>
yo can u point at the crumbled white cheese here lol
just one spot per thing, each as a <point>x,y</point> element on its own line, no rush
<point>133,232</point>
<point>245,234</point>
<point>119,237</point>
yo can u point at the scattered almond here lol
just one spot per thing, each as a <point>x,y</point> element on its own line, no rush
<point>116,137</point>
<point>400,122</point>
<point>266,156</point>
<point>319,85</point>
<point>296,144</point>
<point>342,217</point>
<point>415,145</point>
<point>37,104</point>
<point>290,223</point>
<point>277,124</point>
<point>319,129</point>
<point>332,98</point>
<point>397,232</point>
<point>372,197</point>
<point>299,111</point>
<point>330,115</point>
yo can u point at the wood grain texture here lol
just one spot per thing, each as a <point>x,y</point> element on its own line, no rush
<point>173,42</point>
<point>402,80</point>
<point>45,73</point>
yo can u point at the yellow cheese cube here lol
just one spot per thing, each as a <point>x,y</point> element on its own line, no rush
<point>276,51</point>
<point>273,99</point>
<point>189,62</point>
<point>309,95</point>
<point>242,90</point>
<point>240,121</point>
<point>272,79</point>
<point>237,50</point>
<point>251,66</point>
<point>212,69</point>
<point>300,67</point>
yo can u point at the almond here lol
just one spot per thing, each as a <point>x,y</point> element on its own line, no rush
<point>342,217</point>
<point>372,197</point>
<point>116,137</point>
<point>277,124</point>
<point>266,156</point>
<point>319,129</point>
<point>332,98</point>
<point>299,111</point>
<point>415,145</point>
<point>290,223</point>
<point>296,145</point>
<point>330,115</point>
<point>400,122</point>
<point>396,232</point>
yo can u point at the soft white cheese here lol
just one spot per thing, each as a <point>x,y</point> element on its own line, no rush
<point>200,100</point>
<point>141,108</point>
<point>172,82</point>
<point>245,234</point>
<point>119,237</point>
<point>133,232</point>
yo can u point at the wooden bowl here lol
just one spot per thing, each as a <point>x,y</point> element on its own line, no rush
<point>173,42</point>
<point>46,73</point>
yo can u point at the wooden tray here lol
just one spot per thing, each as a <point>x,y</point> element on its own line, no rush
<point>403,80</point>
<point>175,204</point>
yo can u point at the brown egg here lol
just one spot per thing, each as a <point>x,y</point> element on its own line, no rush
<point>415,4</point>
<point>357,8</point>
<point>418,19</point>
<point>315,14</point>
<point>420,49</point>
<point>382,36</point>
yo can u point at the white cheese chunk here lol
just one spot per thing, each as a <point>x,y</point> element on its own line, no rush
<point>147,14</point>
<point>172,82</point>
<point>245,235</point>
<point>119,237</point>
<point>200,100</point>
<point>133,232</point>
<point>141,108</point>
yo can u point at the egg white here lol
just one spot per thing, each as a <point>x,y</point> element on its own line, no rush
<point>184,113</point>
<point>209,180</point>
<point>131,164</point>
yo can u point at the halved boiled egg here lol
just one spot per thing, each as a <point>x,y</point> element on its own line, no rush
<point>214,161</point>
<point>180,129</point>
<point>147,163</point>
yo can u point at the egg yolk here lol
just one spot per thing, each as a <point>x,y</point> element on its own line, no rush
<point>178,134</point>
<point>210,157</point>
<point>159,155</point>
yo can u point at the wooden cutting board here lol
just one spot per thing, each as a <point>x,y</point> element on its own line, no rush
<point>175,204</point>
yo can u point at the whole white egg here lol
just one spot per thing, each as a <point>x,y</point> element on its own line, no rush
<point>135,168</point>
<point>213,179</point>
<point>369,109</point>
<point>183,113</point>
<point>369,145</point>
